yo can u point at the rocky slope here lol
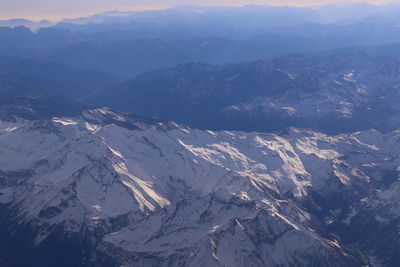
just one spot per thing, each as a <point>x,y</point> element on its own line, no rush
<point>109,189</point>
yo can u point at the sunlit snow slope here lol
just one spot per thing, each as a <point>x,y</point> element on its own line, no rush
<point>122,190</point>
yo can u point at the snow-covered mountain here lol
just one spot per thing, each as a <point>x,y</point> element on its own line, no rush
<point>111,189</point>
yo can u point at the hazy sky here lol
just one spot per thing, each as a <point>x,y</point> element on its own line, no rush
<point>57,9</point>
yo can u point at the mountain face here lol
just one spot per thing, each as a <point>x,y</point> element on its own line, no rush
<point>110,189</point>
<point>332,93</point>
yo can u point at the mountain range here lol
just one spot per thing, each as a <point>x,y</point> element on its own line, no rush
<point>125,44</point>
<point>339,91</point>
<point>202,136</point>
<point>328,92</point>
<point>110,189</point>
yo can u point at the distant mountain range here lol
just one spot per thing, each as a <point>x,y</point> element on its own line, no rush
<point>33,25</point>
<point>339,91</point>
<point>257,16</point>
<point>332,93</point>
<point>111,52</point>
<point>126,44</point>
<point>126,58</point>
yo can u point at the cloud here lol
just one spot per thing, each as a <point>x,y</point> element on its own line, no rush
<point>56,9</point>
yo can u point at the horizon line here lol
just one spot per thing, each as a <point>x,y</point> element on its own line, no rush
<point>60,18</point>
